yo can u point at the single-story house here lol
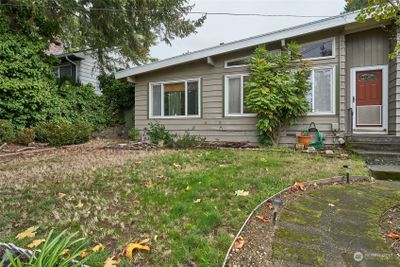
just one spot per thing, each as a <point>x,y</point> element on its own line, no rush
<point>355,88</point>
<point>81,66</point>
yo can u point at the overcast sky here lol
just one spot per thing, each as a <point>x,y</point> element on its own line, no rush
<point>223,28</point>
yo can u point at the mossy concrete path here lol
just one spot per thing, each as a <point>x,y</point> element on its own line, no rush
<point>336,226</point>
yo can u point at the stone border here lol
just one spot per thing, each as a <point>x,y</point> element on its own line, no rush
<point>325,181</point>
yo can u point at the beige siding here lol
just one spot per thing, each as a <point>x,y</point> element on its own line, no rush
<point>88,71</point>
<point>213,124</point>
<point>394,93</point>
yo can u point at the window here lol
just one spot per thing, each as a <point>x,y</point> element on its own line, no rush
<point>175,99</point>
<point>65,71</point>
<point>237,62</point>
<point>321,95</point>
<point>235,93</point>
<point>319,49</point>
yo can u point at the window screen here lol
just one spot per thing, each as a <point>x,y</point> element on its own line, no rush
<point>234,92</point>
<point>156,97</point>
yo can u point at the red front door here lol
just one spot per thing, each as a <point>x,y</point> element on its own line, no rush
<point>369,98</point>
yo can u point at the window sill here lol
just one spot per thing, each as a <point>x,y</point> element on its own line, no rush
<point>313,114</point>
<point>175,117</point>
<point>240,115</point>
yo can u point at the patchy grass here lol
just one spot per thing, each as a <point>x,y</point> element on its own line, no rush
<point>154,197</point>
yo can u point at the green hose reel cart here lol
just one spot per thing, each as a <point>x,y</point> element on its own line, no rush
<point>318,138</point>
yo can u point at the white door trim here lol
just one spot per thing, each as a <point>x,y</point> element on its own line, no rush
<point>385,88</point>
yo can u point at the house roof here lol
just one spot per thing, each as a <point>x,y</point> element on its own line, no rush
<point>315,26</point>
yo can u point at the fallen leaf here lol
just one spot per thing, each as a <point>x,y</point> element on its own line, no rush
<point>393,235</point>
<point>188,188</point>
<point>129,248</point>
<point>178,166</point>
<point>79,205</point>
<point>28,233</point>
<point>239,242</point>
<point>269,205</point>
<point>36,243</point>
<point>197,200</point>
<point>298,186</point>
<point>241,193</point>
<point>64,252</point>
<point>331,205</point>
<point>263,218</point>
<point>84,254</point>
<point>138,162</point>
<point>136,202</point>
<point>98,247</point>
<point>160,176</point>
<point>61,195</point>
<point>111,262</point>
<point>71,198</point>
<point>148,184</point>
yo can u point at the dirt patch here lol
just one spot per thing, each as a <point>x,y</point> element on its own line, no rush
<point>66,162</point>
<point>391,222</point>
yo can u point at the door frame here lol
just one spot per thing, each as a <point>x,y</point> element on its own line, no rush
<point>385,88</point>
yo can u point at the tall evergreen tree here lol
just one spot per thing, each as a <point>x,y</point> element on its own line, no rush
<point>124,29</point>
<point>353,5</point>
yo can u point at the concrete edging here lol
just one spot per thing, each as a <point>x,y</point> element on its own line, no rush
<point>325,181</point>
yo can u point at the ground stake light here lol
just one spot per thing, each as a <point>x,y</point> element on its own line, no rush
<point>347,169</point>
<point>276,203</point>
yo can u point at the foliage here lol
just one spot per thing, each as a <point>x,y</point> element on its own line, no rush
<point>62,132</point>
<point>353,5</point>
<point>118,96</point>
<point>25,136</point>
<point>383,10</point>
<point>187,141</point>
<point>157,132</point>
<point>134,134</point>
<point>111,29</point>
<point>53,247</point>
<point>27,82</point>
<point>81,102</point>
<point>276,90</point>
<point>7,131</point>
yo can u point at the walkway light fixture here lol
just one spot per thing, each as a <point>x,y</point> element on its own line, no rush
<point>347,170</point>
<point>276,203</point>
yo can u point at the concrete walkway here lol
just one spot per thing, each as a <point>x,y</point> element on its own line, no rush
<point>328,226</point>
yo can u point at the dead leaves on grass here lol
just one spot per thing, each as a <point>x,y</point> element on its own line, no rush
<point>263,218</point>
<point>111,262</point>
<point>130,247</point>
<point>98,247</point>
<point>393,235</point>
<point>28,233</point>
<point>298,186</point>
<point>36,243</point>
<point>239,242</point>
<point>241,193</point>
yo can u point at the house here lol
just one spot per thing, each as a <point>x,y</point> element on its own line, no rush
<point>355,88</point>
<point>81,66</point>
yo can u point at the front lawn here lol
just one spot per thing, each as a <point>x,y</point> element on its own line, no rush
<point>184,201</point>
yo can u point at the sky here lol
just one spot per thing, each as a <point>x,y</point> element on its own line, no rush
<point>223,28</point>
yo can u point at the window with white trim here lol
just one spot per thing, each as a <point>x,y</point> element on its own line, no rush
<point>319,49</point>
<point>321,94</point>
<point>65,71</point>
<point>237,62</point>
<point>175,99</point>
<point>235,93</point>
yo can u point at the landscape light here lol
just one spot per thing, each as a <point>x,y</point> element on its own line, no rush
<point>276,203</point>
<point>347,169</point>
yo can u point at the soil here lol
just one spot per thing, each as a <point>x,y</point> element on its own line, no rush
<point>390,221</point>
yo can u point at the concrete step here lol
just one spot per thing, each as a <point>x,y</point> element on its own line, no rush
<point>385,172</point>
<point>379,155</point>
<point>374,146</point>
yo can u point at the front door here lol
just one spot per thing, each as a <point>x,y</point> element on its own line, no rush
<point>369,104</point>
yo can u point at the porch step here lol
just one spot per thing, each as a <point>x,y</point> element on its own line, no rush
<point>379,157</point>
<point>385,143</point>
<point>385,172</point>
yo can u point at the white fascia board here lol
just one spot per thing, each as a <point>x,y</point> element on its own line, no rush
<point>241,44</point>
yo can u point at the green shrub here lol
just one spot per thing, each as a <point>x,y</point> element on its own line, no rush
<point>188,141</point>
<point>134,134</point>
<point>60,133</point>
<point>50,251</point>
<point>25,136</point>
<point>157,132</point>
<point>7,132</point>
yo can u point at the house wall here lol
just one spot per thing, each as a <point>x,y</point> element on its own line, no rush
<point>394,92</point>
<point>366,48</point>
<point>88,71</point>
<point>213,124</point>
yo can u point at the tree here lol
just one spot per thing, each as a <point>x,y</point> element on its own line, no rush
<point>384,10</point>
<point>353,5</point>
<point>277,90</point>
<point>111,29</point>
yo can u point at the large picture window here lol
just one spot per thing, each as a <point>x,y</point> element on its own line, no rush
<point>319,49</point>
<point>321,95</point>
<point>175,99</point>
<point>235,93</point>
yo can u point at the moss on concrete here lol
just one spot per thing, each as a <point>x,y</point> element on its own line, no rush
<point>311,257</point>
<point>303,237</point>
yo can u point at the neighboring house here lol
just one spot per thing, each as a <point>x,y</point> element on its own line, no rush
<point>80,66</point>
<point>354,86</point>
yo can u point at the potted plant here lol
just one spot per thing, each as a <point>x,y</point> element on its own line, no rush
<point>304,139</point>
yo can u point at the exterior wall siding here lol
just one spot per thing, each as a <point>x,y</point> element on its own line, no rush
<point>213,124</point>
<point>88,71</point>
<point>395,99</point>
